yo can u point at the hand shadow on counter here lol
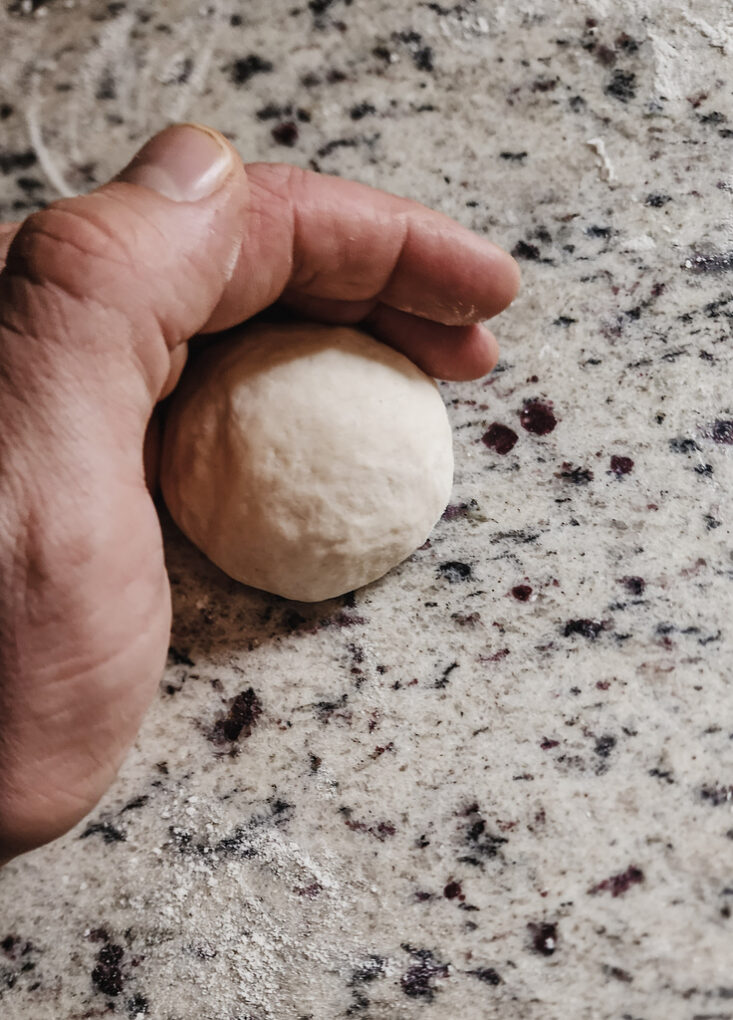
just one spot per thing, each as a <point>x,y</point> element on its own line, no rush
<point>215,616</point>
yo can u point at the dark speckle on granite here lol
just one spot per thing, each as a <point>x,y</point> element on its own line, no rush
<point>177,657</point>
<point>713,263</point>
<point>137,1006</point>
<point>482,844</point>
<point>683,444</point>
<point>107,975</point>
<point>321,7</point>
<point>245,68</point>
<point>657,200</point>
<point>337,143</point>
<point>717,795</point>
<point>444,678</point>
<point>574,474</point>
<point>543,937</point>
<point>525,250</point>
<point>604,745</point>
<point>617,973</point>
<point>418,981</point>
<point>361,110</point>
<point>241,718</point>
<point>107,87</point>
<point>106,830</point>
<point>455,571</point>
<point>28,7</point>
<point>596,230</point>
<point>286,133</point>
<point>585,628</point>
<point>622,85</point>
<point>487,975</point>
<point>10,161</point>
<point>722,432</point>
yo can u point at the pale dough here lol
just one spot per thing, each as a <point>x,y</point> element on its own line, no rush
<point>306,460</point>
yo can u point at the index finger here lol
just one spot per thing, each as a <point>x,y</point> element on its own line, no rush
<point>323,237</point>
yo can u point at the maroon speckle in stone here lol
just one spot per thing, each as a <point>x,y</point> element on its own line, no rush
<point>548,744</point>
<point>634,585</point>
<point>617,885</point>
<point>521,592</point>
<point>381,831</point>
<point>311,891</point>
<point>496,657</point>
<point>723,432</point>
<point>452,890</point>
<point>500,438</point>
<point>621,465</point>
<point>543,937</point>
<point>538,417</point>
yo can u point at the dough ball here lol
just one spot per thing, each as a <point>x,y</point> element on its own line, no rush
<point>306,460</point>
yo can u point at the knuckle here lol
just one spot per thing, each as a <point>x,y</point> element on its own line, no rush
<point>75,278</point>
<point>68,246</point>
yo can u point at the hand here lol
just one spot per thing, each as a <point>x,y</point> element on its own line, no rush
<point>99,297</point>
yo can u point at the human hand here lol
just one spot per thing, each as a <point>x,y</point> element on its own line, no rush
<point>98,300</point>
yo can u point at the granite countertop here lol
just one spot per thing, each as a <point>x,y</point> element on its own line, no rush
<point>499,782</point>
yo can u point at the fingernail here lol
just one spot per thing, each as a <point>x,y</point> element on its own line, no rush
<point>185,162</point>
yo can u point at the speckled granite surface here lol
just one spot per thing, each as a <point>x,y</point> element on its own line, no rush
<point>499,783</point>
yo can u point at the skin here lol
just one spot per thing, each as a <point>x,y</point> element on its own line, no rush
<point>97,306</point>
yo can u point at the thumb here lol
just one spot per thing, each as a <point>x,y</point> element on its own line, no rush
<point>135,268</point>
<point>97,299</point>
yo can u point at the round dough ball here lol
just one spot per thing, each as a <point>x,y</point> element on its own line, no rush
<point>306,460</point>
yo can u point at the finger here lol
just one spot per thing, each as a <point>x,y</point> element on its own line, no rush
<point>314,236</point>
<point>7,233</point>
<point>445,352</point>
<point>96,293</point>
<point>328,309</point>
